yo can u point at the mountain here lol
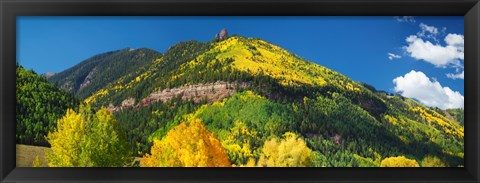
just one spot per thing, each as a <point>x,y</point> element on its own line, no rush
<point>48,74</point>
<point>455,115</point>
<point>235,59</point>
<point>92,74</point>
<point>138,85</point>
<point>39,105</point>
<point>248,91</point>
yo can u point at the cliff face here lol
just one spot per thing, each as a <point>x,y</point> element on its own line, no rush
<point>213,92</point>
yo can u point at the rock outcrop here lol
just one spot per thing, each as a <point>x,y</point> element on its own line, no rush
<point>88,79</point>
<point>212,92</point>
<point>48,74</point>
<point>222,35</point>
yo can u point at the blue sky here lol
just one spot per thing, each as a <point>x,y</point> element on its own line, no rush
<point>419,57</point>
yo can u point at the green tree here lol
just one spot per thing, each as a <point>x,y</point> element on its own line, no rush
<point>39,104</point>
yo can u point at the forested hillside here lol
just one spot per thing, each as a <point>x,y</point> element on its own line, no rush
<point>240,101</point>
<point>39,105</point>
<point>158,75</point>
<point>94,73</point>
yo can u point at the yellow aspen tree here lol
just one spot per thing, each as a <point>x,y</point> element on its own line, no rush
<point>185,145</point>
<point>292,151</point>
<point>237,144</point>
<point>399,161</point>
<point>65,141</point>
<point>85,139</point>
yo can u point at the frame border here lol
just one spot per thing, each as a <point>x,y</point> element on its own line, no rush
<point>9,9</point>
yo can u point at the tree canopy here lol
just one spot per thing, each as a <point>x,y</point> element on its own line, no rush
<point>87,139</point>
<point>399,161</point>
<point>187,145</point>
<point>289,152</point>
<point>39,104</point>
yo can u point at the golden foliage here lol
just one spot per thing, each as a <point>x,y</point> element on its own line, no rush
<point>352,88</point>
<point>249,95</point>
<point>64,141</point>
<point>399,161</point>
<point>97,94</point>
<point>257,56</point>
<point>85,139</point>
<point>240,153</point>
<point>435,119</point>
<point>187,146</point>
<point>289,152</point>
<point>391,119</point>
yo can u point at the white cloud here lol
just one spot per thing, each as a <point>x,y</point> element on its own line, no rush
<point>451,54</point>
<point>431,93</point>
<point>456,40</point>
<point>428,31</point>
<point>436,54</point>
<point>456,76</point>
<point>404,18</point>
<point>392,56</point>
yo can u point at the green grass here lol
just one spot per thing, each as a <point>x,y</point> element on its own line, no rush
<point>26,155</point>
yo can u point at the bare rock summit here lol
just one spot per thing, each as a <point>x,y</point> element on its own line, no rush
<point>222,35</point>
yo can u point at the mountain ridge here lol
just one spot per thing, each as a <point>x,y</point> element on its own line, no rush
<point>224,60</point>
<point>113,64</point>
<point>327,108</point>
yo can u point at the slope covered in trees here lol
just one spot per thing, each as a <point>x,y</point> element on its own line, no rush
<point>96,72</point>
<point>338,132</point>
<point>39,105</point>
<point>157,76</point>
<point>235,59</point>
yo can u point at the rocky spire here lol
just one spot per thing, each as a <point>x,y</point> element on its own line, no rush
<point>222,35</point>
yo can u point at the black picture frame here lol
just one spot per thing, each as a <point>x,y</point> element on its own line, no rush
<point>10,9</point>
